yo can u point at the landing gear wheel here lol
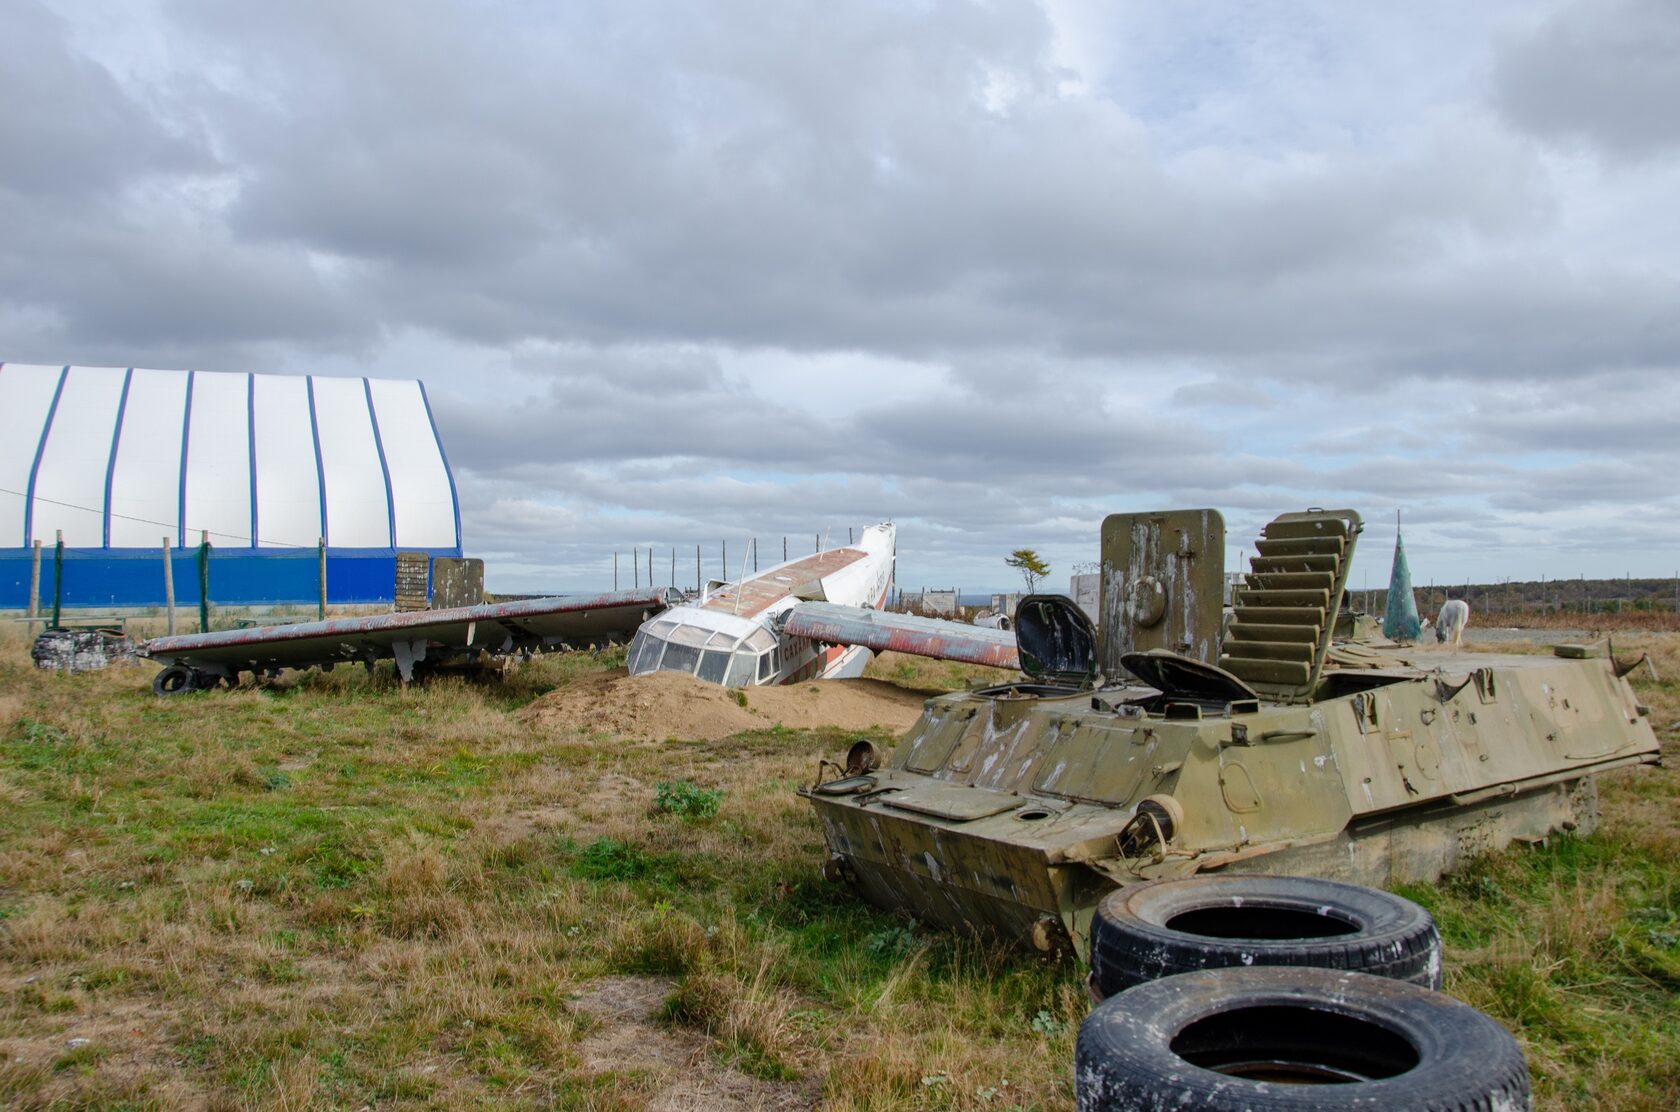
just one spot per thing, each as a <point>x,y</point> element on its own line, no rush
<point>176,679</point>
<point>1271,1039</point>
<point>1145,931</point>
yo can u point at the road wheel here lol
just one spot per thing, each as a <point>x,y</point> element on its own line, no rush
<point>1270,1039</point>
<point>1146,931</point>
<point>176,679</point>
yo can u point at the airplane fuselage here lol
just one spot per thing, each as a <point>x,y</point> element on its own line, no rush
<point>732,636</point>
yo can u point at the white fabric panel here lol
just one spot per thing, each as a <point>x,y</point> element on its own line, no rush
<point>74,461</point>
<point>219,460</point>
<point>419,480</point>
<point>147,481</point>
<point>357,516</point>
<point>26,393</point>
<point>288,492</point>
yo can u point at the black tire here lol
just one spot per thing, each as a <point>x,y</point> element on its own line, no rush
<point>176,679</point>
<point>1278,1039</point>
<point>1146,931</point>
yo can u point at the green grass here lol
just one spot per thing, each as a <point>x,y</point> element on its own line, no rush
<point>337,892</point>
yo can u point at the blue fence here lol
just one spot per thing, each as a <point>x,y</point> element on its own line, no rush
<point>123,577</point>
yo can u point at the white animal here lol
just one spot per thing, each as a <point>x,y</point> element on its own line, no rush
<point>1449,626</point>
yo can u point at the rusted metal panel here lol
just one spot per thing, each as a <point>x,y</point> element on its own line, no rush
<point>883,631</point>
<point>457,582</point>
<point>1162,584</point>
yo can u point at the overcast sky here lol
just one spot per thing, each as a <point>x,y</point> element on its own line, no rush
<point>679,272</point>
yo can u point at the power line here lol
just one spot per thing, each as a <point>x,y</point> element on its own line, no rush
<point>148,521</point>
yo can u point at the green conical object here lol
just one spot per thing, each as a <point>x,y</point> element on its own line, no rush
<point>1401,623</point>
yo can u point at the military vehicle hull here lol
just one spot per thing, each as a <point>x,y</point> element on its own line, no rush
<point>1013,810</point>
<point>1006,813</point>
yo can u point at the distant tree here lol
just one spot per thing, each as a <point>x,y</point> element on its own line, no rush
<point>1031,566</point>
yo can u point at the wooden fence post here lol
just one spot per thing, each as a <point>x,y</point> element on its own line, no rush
<point>34,587</point>
<point>168,590</point>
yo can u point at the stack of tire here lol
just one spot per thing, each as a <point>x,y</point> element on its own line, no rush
<point>1265,993</point>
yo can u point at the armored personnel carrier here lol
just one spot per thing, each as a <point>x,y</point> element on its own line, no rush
<point>1181,741</point>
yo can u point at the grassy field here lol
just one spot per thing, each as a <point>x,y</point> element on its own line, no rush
<point>338,893</point>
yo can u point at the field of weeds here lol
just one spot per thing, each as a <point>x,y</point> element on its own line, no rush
<point>335,892</point>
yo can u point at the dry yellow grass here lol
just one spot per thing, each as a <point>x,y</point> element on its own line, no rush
<point>337,893</point>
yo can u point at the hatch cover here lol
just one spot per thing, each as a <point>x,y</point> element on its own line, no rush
<point>956,802</point>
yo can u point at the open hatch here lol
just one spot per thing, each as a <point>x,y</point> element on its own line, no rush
<point>1056,641</point>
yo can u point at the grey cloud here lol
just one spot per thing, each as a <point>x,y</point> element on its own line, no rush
<point>70,132</point>
<point>1602,72</point>
<point>834,178</point>
<point>582,212</point>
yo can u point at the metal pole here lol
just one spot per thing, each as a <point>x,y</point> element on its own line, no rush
<point>615,570</point>
<point>723,560</point>
<point>35,586</point>
<point>755,555</point>
<point>58,579</point>
<point>1676,578</point>
<point>818,541</point>
<point>673,565</point>
<point>650,565</point>
<point>697,568</point>
<point>168,590</point>
<point>204,581</point>
<point>321,574</point>
<point>636,568</point>
<point>848,534</point>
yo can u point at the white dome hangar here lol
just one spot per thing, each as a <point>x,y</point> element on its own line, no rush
<point>269,465</point>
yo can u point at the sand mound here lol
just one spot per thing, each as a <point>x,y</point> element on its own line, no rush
<point>669,705</point>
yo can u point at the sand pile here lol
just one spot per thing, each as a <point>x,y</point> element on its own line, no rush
<point>669,705</point>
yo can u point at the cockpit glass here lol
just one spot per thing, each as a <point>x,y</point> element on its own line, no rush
<point>679,658</point>
<point>642,647</point>
<point>713,664</point>
<point>688,635</point>
<point>741,668</point>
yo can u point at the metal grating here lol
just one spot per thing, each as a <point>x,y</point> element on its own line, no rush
<point>1286,610</point>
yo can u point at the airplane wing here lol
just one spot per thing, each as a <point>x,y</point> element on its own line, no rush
<point>883,631</point>
<point>492,627</point>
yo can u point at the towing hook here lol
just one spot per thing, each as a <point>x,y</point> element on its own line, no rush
<point>838,870</point>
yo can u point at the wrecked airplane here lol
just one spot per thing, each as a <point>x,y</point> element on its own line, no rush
<point>817,617</point>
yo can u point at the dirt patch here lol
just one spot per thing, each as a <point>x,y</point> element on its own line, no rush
<point>628,1039</point>
<point>666,705</point>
